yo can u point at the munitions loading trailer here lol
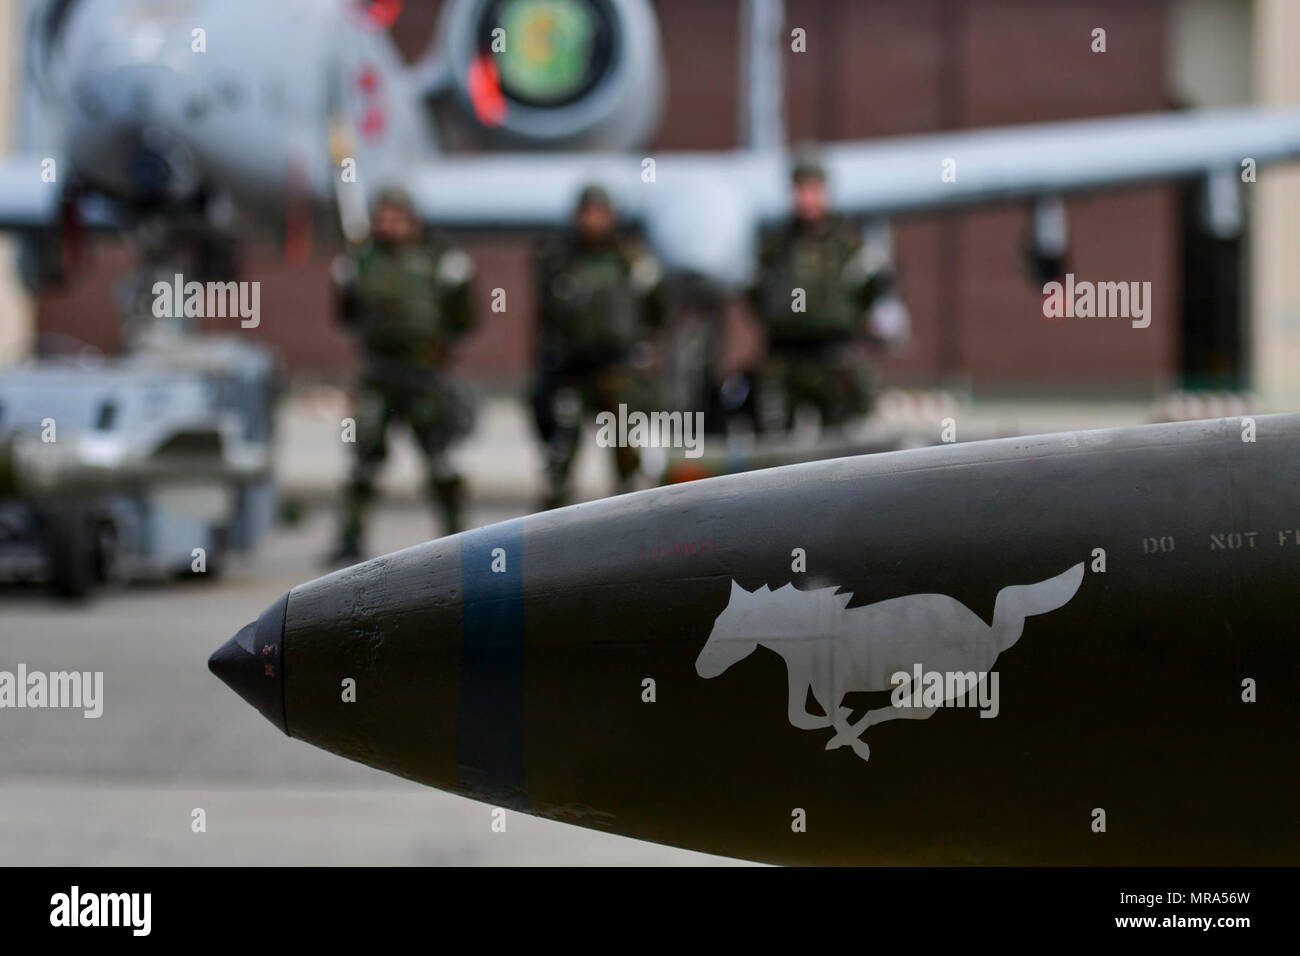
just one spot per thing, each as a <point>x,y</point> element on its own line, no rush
<point>121,469</point>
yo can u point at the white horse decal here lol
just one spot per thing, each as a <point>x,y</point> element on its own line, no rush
<point>835,650</point>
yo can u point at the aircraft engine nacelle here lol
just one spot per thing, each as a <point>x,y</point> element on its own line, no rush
<point>554,73</point>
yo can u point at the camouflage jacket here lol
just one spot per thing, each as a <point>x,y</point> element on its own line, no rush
<point>825,271</point>
<point>406,307</point>
<point>596,303</point>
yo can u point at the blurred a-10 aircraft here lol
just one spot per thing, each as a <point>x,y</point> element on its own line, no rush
<point>199,121</point>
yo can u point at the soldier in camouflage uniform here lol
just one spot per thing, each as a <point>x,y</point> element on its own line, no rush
<point>406,301</point>
<point>813,290</point>
<point>599,298</point>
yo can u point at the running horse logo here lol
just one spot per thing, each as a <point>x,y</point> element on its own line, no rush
<point>835,650</point>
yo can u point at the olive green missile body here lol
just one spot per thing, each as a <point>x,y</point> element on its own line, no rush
<point>1075,648</point>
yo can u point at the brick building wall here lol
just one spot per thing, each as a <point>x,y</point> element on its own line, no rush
<point>872,68</point>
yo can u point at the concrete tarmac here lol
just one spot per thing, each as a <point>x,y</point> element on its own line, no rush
<point>122,789</point>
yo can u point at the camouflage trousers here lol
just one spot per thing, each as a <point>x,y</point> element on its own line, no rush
<point>438,415</point>
<point>835,381</point>
<point>564,400</point>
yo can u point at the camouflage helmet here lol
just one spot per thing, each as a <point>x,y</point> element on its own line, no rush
<point>807,166</point>
<point>594,194</point>
<point>395,196</point>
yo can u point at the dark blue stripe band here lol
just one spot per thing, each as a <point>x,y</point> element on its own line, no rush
<point>489,732</point>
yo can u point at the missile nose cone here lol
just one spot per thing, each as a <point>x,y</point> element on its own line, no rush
<point>236,663</point>
<point>252,663</point>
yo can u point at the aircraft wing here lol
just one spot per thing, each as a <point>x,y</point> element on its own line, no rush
<point>25,201</point>
<point>701,210</point>
<point>905,174</point>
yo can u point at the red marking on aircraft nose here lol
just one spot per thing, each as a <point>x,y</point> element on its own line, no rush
<point>373,122</point>
<point>485,91</point>
<point>368,80</point>
<point>381,13</point>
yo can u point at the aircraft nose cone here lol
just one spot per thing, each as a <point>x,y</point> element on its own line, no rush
<point>131,140</point>
<point>149,170</point>
<point>135,94</point>
<point>252,663</point>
